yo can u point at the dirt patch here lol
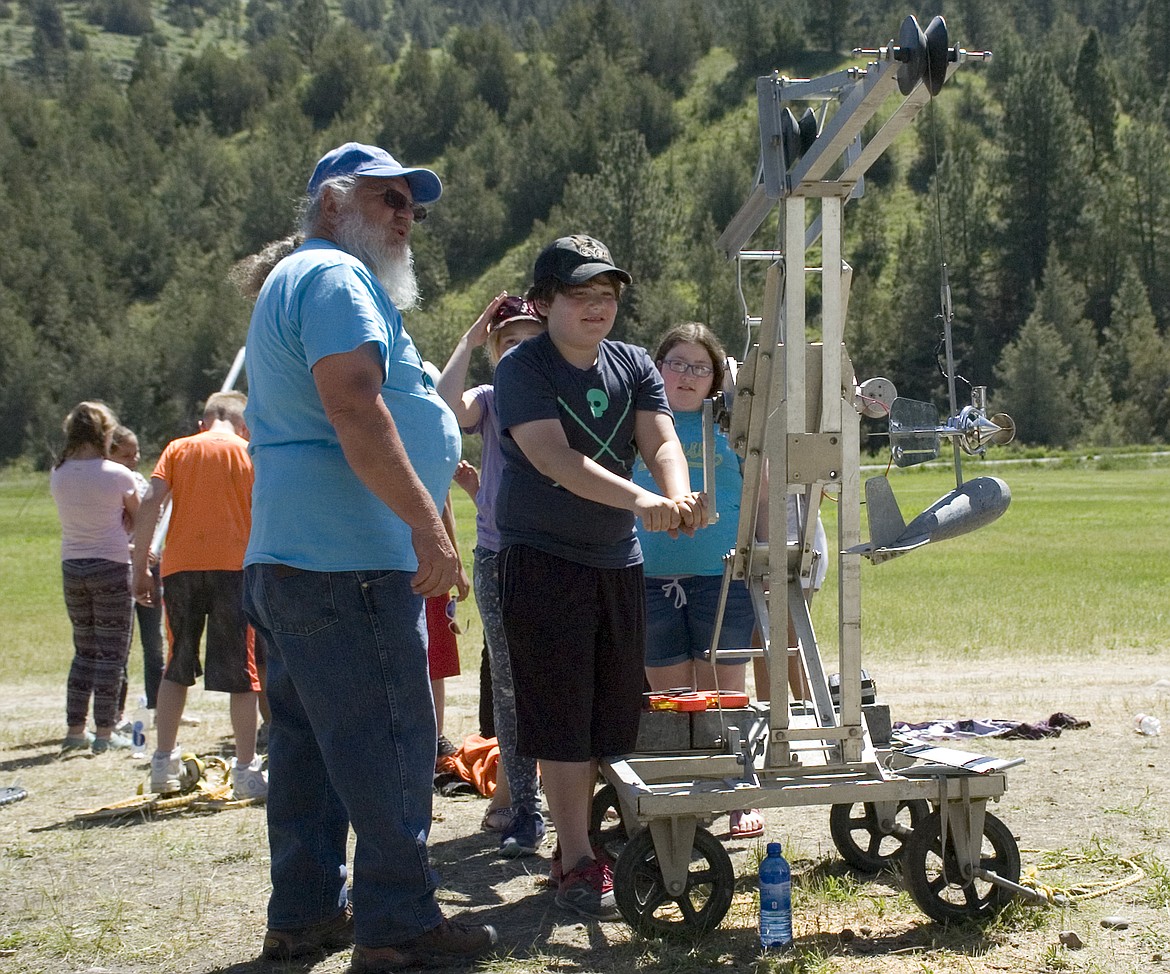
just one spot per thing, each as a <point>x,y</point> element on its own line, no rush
<point>187,892</point>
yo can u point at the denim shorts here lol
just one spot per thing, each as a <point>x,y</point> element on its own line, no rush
<point>680,619</point>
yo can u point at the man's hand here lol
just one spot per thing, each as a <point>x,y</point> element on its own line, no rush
<point>439,566</point>
<point>658,513</point>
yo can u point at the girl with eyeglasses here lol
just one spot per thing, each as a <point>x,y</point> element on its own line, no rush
<point>684,574</point>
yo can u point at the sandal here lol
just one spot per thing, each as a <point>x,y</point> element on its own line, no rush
<point>497,819</point>
<point>747,824</point>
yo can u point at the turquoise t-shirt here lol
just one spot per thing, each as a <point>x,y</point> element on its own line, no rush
<point>664,556</point>
<point>309,509</point>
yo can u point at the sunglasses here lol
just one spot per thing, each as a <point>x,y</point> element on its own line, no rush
<point>452,622</point>
<point>679,367</point>
<point>396,201</point>
<point>513,306</point>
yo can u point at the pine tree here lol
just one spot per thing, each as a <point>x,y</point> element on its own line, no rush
<point>1035,388</point>
<point>1041,173</point>
<point>1094,96</point>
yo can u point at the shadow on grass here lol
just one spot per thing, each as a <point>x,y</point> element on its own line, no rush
<point>49,753</point>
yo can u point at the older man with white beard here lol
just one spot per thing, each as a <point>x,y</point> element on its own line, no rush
<point>353,454</point>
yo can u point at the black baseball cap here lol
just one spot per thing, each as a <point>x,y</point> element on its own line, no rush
<point>575,260</point>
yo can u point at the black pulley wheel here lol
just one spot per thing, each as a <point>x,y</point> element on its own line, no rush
<point>911,55</point>
<point>861,838</point>
<point>651,909</point>
<point>937,54</point>
<point>936,883</point>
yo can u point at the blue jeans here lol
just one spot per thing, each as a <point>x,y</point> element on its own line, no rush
<point>352,742</point>
<point>680,619</point>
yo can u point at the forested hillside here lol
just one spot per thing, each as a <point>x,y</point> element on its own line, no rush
<point>145,146</point>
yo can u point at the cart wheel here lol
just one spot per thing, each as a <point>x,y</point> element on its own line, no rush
<point>934,878</point>
<point>650,909</point>
<point>859,837</point>
<point>607,828</point>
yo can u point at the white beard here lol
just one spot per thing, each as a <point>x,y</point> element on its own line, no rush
<point>392,265</point>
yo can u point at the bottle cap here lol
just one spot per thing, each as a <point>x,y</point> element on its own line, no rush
<point>773,848</point>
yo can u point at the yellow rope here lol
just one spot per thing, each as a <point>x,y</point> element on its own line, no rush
<point>202,793</point>
<point>1080,891</point>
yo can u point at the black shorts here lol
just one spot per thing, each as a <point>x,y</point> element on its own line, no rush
<point>213,599</point>
<point>576,637</point>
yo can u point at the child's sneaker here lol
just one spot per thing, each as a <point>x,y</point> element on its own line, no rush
<point>166,772</point>
<point>115,742</point>
<point>588,889</point>
<point>556,870</point>
<point>523,835</point>
<point>248,781</point>
<point>81,742</point>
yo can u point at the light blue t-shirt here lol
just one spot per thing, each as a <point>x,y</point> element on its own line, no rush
<point>309,509</point>
<point>664,556</point>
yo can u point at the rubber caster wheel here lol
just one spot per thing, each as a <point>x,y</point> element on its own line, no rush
<point>647,905</point>
<point>607,828</point>
<point>863,843</point>
<point>934,879</point>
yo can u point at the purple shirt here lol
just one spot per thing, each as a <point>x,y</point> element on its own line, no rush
<point>491,468</point>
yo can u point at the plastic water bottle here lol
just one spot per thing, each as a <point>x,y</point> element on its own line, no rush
<point>775,899</point>
<point>1146,725</point>
<point>141,725</point>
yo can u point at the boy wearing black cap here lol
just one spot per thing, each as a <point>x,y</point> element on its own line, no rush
<point>575,409</point>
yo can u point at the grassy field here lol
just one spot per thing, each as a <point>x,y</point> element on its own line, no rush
<point>1076,566</point>
<point>1059,605</point>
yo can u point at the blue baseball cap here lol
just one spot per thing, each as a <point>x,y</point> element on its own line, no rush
<point>355,159</point>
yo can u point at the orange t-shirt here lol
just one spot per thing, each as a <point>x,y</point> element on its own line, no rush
<point>210,477</point>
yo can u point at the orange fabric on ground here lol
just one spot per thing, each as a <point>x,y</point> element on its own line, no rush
<point>209,531</point>
<point>477,762</point>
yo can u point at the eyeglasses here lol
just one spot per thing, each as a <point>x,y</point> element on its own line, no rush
<point>396,201</point>
<point>679,367</point>
<point>513,306</point>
